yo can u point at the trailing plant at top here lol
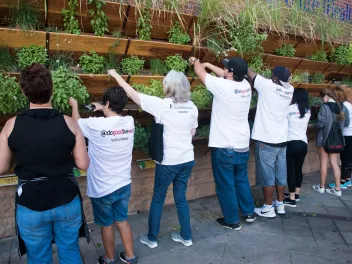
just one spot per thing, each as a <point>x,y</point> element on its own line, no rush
<point>24,16</point>
<point>201,97</point>
<point>177,35</point>
<point>319,55</point>
<point>70,21</point>
<point>342,54</point>
<point>7,61</point>
<point>157,67</point>
<point>132,65</point>
<point>12,99</point>
<point>100,19</point>
<point>144,26</point>
<point>318,78</point>
<point>155,88</point>
<point>92,63</point>
<point>140,138</point>
<point>286,50</point>
<point>26,56</point>
<point>176,63</point>
<point>302,77</point>
<point>67,84</point>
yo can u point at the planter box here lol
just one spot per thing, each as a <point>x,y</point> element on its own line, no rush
<point>15,38</point>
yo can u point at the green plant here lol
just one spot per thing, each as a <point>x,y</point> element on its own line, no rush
<point>177,35</point>
<point>176,63</point>
<point>157,67</point>
<point>67,84</point>
<point>144,27</point>
<point>257,65</point>
<point>99,21</point>
<point>11,97</point>
<point>24,15</point>
<point>342,54</point>
<point>112,61</point>
<point>191,72</point>
<point>7,61</point>
<point>319,55</point>
<point>70,21</point>
<point>254,100</point>
<point>302,77</point>
<point>116,34</point>
<point>26,56</point>
<point>132,65</point>
<point>140,138</point>
<point>61,58</point>
<point>155,88</point>
<point>347,81</point>
<point>317,78</point>
<point>92,63</point>
<point>201,97</point>
<point>203,131</point>
<point>286,50</point>
<point>314,101</point>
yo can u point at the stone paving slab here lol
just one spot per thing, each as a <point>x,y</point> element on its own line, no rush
<point>317,231</point>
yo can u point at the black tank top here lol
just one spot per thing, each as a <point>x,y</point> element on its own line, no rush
<point>42,145</point>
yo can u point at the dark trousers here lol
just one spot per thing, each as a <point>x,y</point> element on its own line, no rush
<point>295,155</point>
<point>346,159</point>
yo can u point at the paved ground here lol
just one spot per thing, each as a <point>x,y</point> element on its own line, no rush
<point>317,231</point>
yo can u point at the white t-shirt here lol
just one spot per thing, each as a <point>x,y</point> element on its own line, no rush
<point>271,123</point>
<point>178,120</point>
<point>229,127</point>
<point>347,131</point>
<point>297,127</point>
<point>110,152</point>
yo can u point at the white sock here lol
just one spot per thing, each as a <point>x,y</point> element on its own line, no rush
<point>270,206</point>
<point>279,203</point>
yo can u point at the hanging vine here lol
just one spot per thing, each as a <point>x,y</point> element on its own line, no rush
<point>144,27</point>
<point>100,19</point>
<point>70,21</point>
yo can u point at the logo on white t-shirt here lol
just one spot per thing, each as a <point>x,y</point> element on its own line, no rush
<point>114,133</point>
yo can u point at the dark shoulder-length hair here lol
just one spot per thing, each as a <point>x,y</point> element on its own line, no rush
<point>300,97</point>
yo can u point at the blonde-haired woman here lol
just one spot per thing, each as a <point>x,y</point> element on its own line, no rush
<point>180,119</point>
<point>331,111</point>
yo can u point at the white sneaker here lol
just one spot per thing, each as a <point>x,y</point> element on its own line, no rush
<point>280,207</point>
<point>334,191</point>
<point>265,211</point>
<point>145,240</point>
<point>318,189</point>
<point>177,238</point>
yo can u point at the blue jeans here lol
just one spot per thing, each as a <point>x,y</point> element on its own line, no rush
<point>38,229</point>
<point>164,176</point>
<point>232,186</point>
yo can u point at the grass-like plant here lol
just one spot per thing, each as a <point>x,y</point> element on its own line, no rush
<point>24,15</point>
<point>61,58</point>
<point>318,78</point>
<point>7,61</point>
<point>157,67</point>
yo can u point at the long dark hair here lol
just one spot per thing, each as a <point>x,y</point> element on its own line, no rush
<point>300,97</point>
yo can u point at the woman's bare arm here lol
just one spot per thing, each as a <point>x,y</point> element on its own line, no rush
<point>6,153</point>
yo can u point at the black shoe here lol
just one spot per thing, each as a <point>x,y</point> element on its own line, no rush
<point>287,195</point>
<point>221,222</point>
<point>103,260</point>
<point>250,218</point>
<point>124,260</point>
<point>289,202</point>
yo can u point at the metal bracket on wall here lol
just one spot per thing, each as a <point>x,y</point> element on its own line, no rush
<point>126,18</point>
<point>191,81</point>
<point>128,79</point>
<point>47,40</point>
<point>297,66</point>
<point>46,13</point>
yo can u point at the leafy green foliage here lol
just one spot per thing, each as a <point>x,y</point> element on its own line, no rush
<point>7,61</point>
<point>254,100</point>
<point>24,15</point>
<point>302,77</point>
<point>99,21</point>
<point>314,101</point>
<point>70,21</point>
<point>112,61</point>
<point>116,34</point>
<point>203,131</point>
<point>132,65</point>
<point>67,84</point>
<point>286,50</point>
<point>257,65</point>
<point>157,67</point>
<point>176,63</point>
<point>61,58</point>
<point>177,35</point>
<point>342,54</point>
<point>347,81</point>
<point>155,88</point>
<point>191,72</point>
<point>140,138</point>
<point>317,78</point>
<point>92,63</point>
<point>144,27</point>
<point>11,97</point>
<point>26,56</point>
<point>201,97</point>
<point>319,55</point>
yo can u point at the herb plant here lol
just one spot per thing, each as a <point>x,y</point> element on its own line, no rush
<point>177,35</point>
<point>201,97</point>
<point>67,84</point>
<point>144,27</point>
<point>11,97</point>
<point>70,21</point>
<point>92,63</point>
<point>254,100</point>
<point>302,77</point>
<point>203,131</point>
<point>24,16</point>
<point>140,138</point>
<point>319,55</point>
<point>61,58</point>
<point>132,65</point>
<point>99,21</point>
<point>314,101</point>
<point>26,56</point>
<point>317,78</point>
<point>112,61</point>
<point>342,55</point>
<point>155,88</point>
<point>7,61</point>
<point>157,67</point>
<point>176,63</point>
<point>286,50</point>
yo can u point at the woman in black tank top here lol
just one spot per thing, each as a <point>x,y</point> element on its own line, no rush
<point>47,146</point>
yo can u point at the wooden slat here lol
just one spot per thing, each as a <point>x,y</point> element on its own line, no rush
<point>274,60</point>
<point>15,38</point>
<point>347,70</point>
<point>312,66</point>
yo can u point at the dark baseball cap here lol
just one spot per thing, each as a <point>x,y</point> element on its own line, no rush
<point>238,66</point>
<point>283,74</point>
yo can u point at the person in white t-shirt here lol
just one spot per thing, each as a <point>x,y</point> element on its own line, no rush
<point>229,137</point>
<point>270,130</point>
<point>110,144</point>
<point>297,144</point>
<point>179,117</point>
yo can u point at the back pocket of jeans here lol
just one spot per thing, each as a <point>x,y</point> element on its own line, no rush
<point>73,209</point>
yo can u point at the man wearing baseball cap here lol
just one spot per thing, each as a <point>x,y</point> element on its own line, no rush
<point>270,131</point>
<point>229,137</point>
